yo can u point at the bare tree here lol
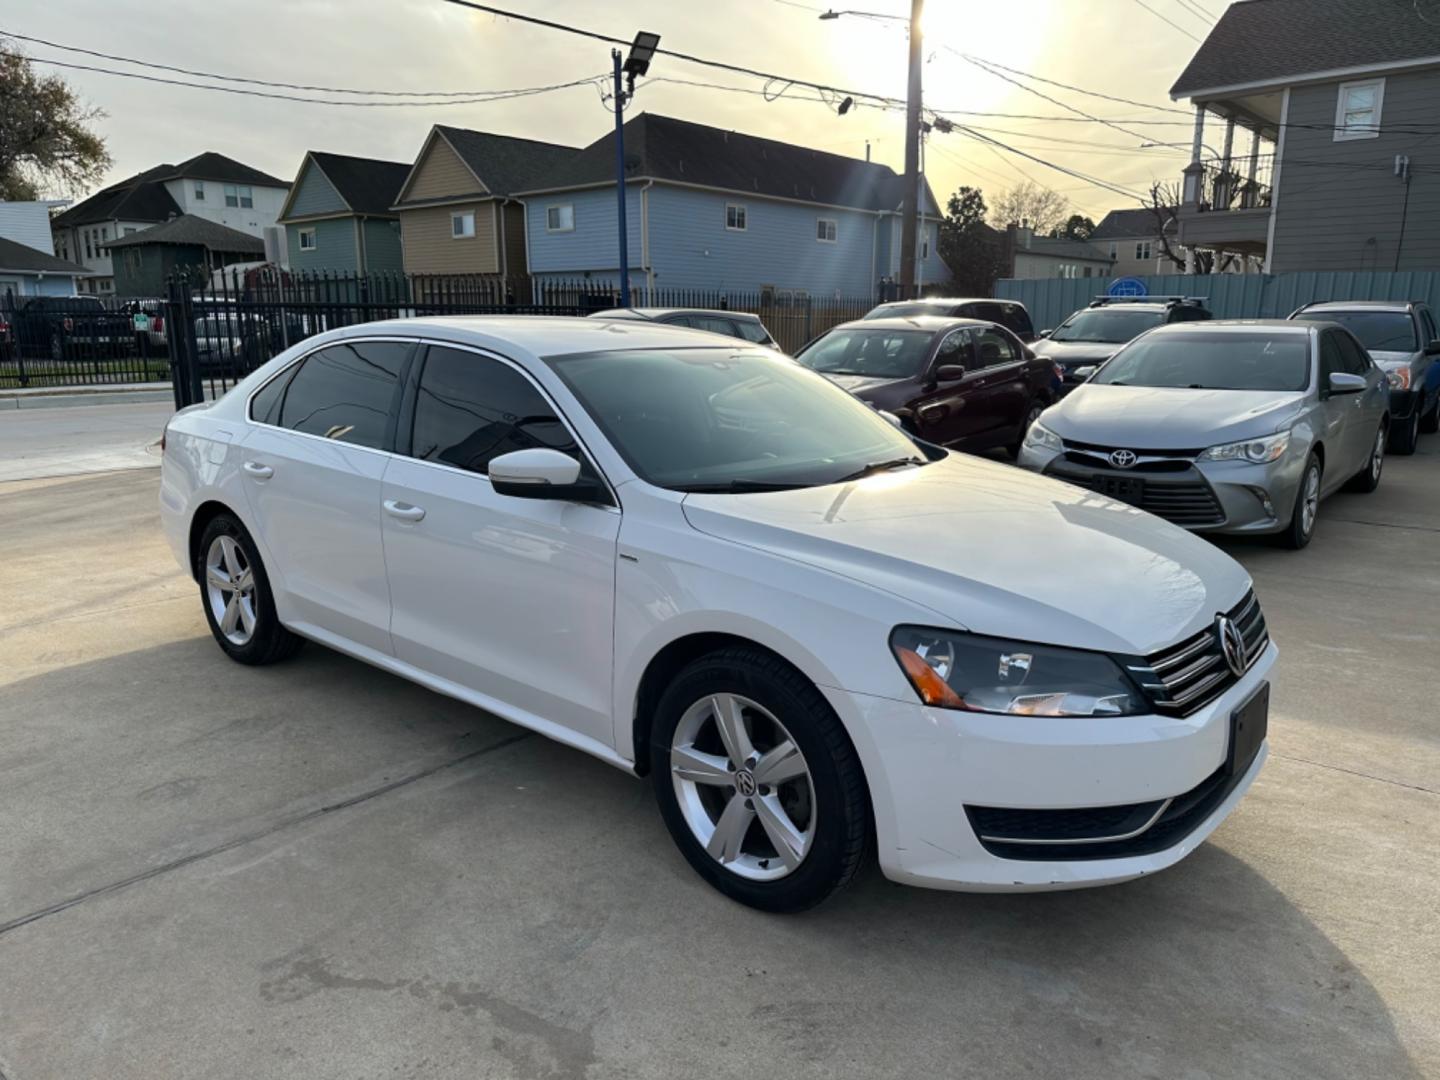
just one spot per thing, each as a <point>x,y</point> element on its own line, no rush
<point>1041,208</point>
<point>1163,204</point>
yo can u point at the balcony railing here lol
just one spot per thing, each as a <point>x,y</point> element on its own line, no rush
<point>1243,184</point>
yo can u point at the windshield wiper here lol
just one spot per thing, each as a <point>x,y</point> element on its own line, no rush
<point>738,487</point>
<point>879,467</point>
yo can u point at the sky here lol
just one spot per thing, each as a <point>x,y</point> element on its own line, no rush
<point>1126,48</point>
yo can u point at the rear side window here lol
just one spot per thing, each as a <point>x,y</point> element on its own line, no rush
<point>1427,327</point>
<point>472,408</point>
<point>346,392</point>
<point>714,324</point>
<point>265,405</point>
<point>994,348</point>
<point>753,331</point>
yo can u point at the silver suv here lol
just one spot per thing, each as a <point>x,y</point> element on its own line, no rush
<point>1401,337</point>
<point>1227,426</point>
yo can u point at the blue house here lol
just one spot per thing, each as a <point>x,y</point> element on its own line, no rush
<point>718,210</point>
<point>338,214</point>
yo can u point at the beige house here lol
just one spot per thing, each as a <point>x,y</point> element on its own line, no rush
<point>457,213</point>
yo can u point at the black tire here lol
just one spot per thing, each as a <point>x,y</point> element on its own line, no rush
<point>1404,434</point>
<point>269,642</point>
<point>57,347</point>
<point>1430,422</point>
<point>1368,478</point>
<point>841,809</point>
<point>1032,413</point>
<point>1297,535</point>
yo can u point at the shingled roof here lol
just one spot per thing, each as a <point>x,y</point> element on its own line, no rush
<point>19,258</point>
<point>143,197</point>
<point>368,185</point>
<point>187,230</point>
<point>504,163</point>
<point>1127,223</point>
<point>664,148</point>
<point>1262,41</point>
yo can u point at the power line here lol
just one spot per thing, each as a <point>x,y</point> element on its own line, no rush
<point>1075,89</point>
<point>1190,8</point>
<point>1172,22</point>
<point>499,95</point>
<point>1049,164</point>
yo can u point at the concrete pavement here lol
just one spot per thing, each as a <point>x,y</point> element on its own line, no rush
<point>73,440</point>
<point>316,870</point>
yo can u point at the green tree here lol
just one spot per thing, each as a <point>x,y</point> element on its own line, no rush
<point>1076,227</point>
<point>46,144</point>
<point>969,247</point>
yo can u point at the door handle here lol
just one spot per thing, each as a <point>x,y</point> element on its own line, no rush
<point>403,511</point>
<point>260,472</point>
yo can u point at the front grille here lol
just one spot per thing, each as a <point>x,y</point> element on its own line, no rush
<point>1189,503</point>
<point>1190,675</point>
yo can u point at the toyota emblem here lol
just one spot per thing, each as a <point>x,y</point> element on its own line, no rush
<point>1122,459</point>
<point>1232,644</point>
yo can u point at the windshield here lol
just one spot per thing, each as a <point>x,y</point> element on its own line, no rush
<point>697,419</point>
<point>1212,361</point>
<point>1378,331</point>
<point>1109,325</point>
<point>885,354</point>
<point>905,311</point>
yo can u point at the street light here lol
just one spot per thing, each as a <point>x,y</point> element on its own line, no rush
<point>642,51</point>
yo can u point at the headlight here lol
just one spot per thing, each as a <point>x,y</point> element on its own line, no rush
<point>1399,379</point>
<point>1257,450</point>
<point>1043,438</point>
<point>955,670</point>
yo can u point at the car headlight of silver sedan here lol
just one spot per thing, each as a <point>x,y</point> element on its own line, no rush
<point>1257,451</point>
<point>1043,438</point>
<point>950,669</point>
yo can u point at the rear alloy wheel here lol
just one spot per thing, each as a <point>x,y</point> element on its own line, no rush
<point>1307,507</point>
<point>239,605</point>
<point>1031,416</point>
<point>1406,433</point>
<point>758,782</point>
<point>1368,478</point>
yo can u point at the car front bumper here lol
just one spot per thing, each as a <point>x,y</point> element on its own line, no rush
<point>1228,497</point>
<point>925,766</point>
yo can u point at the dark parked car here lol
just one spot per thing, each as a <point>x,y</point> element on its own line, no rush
<point>961,383</point>
<point>1095,333</point>
<point>70,328</point>
<point>736,324</point>
<point>1401,337</point>
<point>1010,314</point>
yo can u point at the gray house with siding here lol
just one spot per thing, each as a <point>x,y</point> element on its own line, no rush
<point>338,215</point>
<point>1337,103</point>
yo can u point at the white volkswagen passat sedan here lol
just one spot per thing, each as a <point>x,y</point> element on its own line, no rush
<point>700,561</point>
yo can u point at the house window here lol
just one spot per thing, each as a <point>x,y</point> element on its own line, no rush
<point>132,258</point>
<point>239,195</point>
<point>129,230</point>
<point>462,224</point>
<point>1143,250</point>
<point>1114,251</point>
<point>106,285</point>
<point>924,247</point>
<point>1087,271</point>
<point>199,190</point>
<point>735,217</point>
<point>1357,109</point>
<point>560,218</point>
<point>825,230</point>
<point>89,243</point>
<point>307,239</point>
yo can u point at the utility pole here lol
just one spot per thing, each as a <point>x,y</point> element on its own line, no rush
<point>642,51</point>
<point>911,206</point>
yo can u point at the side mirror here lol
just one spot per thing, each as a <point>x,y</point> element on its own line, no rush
<point>1084,372</point>
<point>1433,349</point>
<point>539,473</point>
<point>1044,333</point>
<point>950,372</point>
<point>891,419</point>
<point>1342,382</point>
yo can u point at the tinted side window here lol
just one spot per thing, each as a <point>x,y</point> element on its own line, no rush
<point>714,324</point>
<point>471,408</point>
<point>753,331</point>
<point>1018,319</point>
<point>346,392</point>
<point>994,348</point>
<point>265,405</point>
<point>1428,333</point>
<point>1353,355</point>
<point>1331,361</point>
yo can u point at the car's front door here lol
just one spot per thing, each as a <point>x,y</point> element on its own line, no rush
<point>510,598</point>
<point>311,464</point>
<point>996,391</point>
<point>1369,405</point>
<point>1337,411</point>
<point>938,409</point>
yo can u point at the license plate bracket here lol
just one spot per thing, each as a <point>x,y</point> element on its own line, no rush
<point>1248,726</point>
<point>1128,489</point>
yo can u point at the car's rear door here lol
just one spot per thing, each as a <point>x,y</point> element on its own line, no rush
<point>996,391</point>
<point>510,598</point>
<point>312,461</point>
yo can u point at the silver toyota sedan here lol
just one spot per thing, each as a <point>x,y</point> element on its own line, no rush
<point>1227,427</point>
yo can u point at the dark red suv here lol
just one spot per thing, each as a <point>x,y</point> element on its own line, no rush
<point>967,384</point>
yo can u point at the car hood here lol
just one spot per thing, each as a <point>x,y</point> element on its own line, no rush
<point>1161,418</point>
<point>1076,352</point>
<point>996,550</point>
<point>857,384</point>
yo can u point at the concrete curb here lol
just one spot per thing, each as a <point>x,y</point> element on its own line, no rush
<point>63,399</point>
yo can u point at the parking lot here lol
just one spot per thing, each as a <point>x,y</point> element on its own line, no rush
<point>317,870</point>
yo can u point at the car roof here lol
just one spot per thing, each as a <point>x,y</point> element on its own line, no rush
<point>1353,305</point>
<point>1230,326</point>
<point>939,300</point>
<point>660,312</point>
<point>932,323</point>
<point>540,335</point>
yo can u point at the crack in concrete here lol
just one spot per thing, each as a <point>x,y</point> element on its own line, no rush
<point>259,834</point>
<point>1356,772</point>
<point>1387,525</point>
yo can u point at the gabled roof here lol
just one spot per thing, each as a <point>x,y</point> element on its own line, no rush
<point>503,164</point>
<point>143,197</point>
<point>1279,41</point>
<point>187,230</point>
<point>1127,223</point>
<point>367,186</point>
<point>664,148</point>
<point>19,258</point>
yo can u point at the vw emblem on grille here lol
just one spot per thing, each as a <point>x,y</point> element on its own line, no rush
<point>1122,459</point>
<point>1232,644</point>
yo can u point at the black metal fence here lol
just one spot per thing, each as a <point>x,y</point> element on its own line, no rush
<point>81,341</point>
<point>217,334</point>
